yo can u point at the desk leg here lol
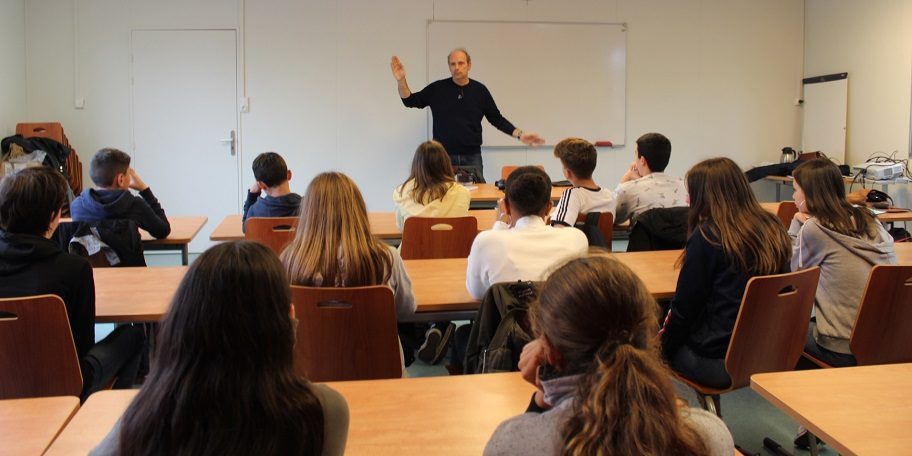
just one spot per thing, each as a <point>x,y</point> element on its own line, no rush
<point>778,191</point>
<point>185,254</point>
<point>812,444</point>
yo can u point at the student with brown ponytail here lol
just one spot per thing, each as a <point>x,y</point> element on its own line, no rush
<point>732,238</point>
<point>602,386</point>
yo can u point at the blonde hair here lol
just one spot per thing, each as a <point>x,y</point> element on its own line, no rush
<point>599,316</point>
<point>333,245</point>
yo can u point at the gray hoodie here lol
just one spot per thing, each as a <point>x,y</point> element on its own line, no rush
<point>845,263</point>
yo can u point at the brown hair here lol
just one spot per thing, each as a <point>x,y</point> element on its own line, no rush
<point>30,198</point>
<point>270,169</point>
<point>825,197</point>
<point>726,212</point>
<point>599,316</point>
<point>222,379</point>
<point>432,173</point>
<point>333,245</point>
<point>106,164</point>
<point>577,155</point>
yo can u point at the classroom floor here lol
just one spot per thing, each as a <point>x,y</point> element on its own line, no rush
<point>749,417</point>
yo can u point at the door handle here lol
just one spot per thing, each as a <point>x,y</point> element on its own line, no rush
<point>233,140</point>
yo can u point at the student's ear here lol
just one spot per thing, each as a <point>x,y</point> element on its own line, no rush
<point>547,210</point>
<point>291,311</point>
<point>54,222</point>
<point>262,185</point>
<point>288,175</point>
<point>122,180</point>
<point>567,174</point>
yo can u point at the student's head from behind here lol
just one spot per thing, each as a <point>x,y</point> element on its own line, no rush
<point>431,172</point>
<point>820,193</point>
<point>109,168</point>
<point>333,244</point>
<point>31,200</point>
<point>228,334</point>
<point>653,153</point>
<point>270,170</point>
<point>577,156</point>
<point>597,319</point>
<point>528,192</point>
<point>723,207</point>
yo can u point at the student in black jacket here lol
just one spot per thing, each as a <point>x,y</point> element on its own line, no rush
<point>31,264</point>
<point>731,240</point>
<point>111,172</point>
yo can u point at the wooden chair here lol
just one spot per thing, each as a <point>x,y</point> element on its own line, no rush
<point>346,333</point>
<point>53,130</point>
<point>786,212</point>
<point>605,225</point>
<point>769,332</point>
<point>881,334</point>
<point>437,237</point>
<point>273,232</point>
<point>38,357</point>
<point>506,170</point>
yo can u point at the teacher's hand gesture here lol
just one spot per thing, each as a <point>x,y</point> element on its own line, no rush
<point>531,139</point>
<point>397,68</point>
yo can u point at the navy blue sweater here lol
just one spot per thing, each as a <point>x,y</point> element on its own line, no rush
<point>95,205</point>
<point>457,113</point>
<point>282,206</point>
<point>706,301</point>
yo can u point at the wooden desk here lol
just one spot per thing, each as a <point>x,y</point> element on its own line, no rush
<point>490,193</point>
<point>383,225</point>
<point>135,294</point>
<point>855,410</point>
<point>782,180</point>
<point>183,229</point>
<point>431,415</point>
<point>28,426</point>
<point>887,217</point>
<point>92,423</point>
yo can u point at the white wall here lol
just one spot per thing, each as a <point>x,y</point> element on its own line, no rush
<point>872,40</point>
<point>12,54</point>
<point>718,77</point>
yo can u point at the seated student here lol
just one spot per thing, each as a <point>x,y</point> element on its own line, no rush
<point>223,379</point>
<point>272,176</point>
<point>521,246</point>
<point>732,240</point>
<point>846,242</point>
<point>111,172</point>
<point>602,387</point>
<point>578,158</point>
<point>31,264</point>
<point>334,247</point>
<point>430,190</point>
<point>645,185</point>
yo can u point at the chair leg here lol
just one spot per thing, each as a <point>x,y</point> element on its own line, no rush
<point>812,444</point>
<point>711,403</point>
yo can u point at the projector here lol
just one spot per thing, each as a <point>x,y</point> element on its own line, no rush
<point>880,171</point>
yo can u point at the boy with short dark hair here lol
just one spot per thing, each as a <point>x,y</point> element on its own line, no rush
<point>578,158</point>
<point>31,264</point>
<point>272,176</point>
<point>521,246</point>
<point>114,178</point>
<point>645,185</point>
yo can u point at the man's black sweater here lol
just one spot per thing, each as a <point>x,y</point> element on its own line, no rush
<point>457,112</point>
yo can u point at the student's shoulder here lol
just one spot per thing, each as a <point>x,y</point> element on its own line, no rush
<point>712,430</point>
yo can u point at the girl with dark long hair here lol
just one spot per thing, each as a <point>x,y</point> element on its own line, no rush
<point>602,386</point>
<point>222,380</point>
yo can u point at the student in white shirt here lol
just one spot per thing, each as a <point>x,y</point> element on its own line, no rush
<point>578,158</point>
<point>430,190</point>
<point>645,185</point>
<point>521,246</point>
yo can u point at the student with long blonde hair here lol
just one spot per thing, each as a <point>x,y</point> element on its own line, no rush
<point>334,247</point>
<point>732,238</point>
<point>430,190</point>
<point>846,242</point>
<point>602,386</point>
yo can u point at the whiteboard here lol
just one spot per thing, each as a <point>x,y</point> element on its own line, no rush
<point>824,122</point>
<point>557,79</point>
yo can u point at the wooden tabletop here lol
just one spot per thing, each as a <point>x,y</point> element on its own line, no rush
<point>183,229</point>
<point>490,193</point>
<point>895,215</point>
<point>135,294</point>
<point>383,225</point>
<point>92,423</point>
<point>855,410</point>
<point>28,426</point>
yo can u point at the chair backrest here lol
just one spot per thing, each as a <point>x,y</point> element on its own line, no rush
<point>273,232</point>
<point>605,226</point>
<point>121,236</point>
<point>438,237</point>
<point>506,170</point>
<point>772,325</point>
<point>38,355</point>
<point>346,333</point>
<point>881,334</point>
<point>787,211</point>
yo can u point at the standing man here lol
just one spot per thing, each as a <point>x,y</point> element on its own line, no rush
<point>458,104</point>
